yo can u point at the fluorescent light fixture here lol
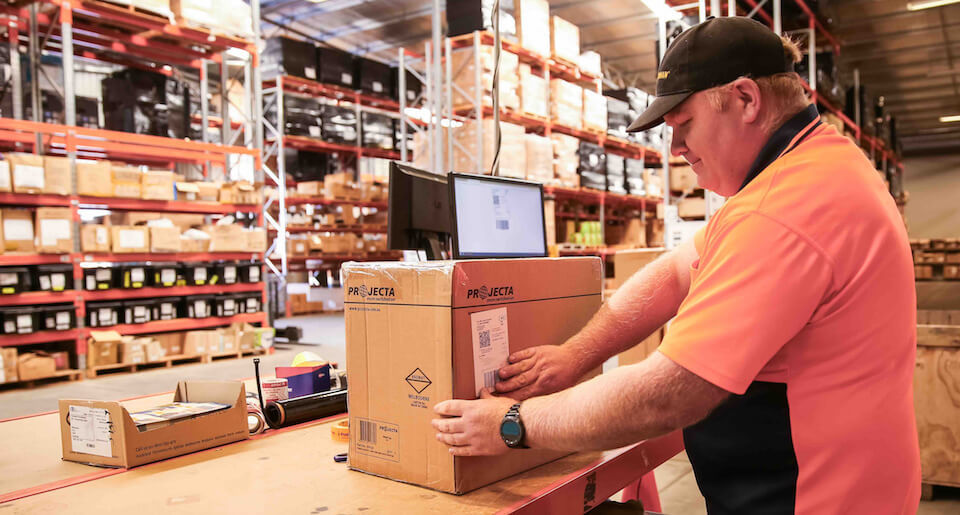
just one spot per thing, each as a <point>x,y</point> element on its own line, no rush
<point>928,4</point>
<point>662,10</point>
<point>951,118</point>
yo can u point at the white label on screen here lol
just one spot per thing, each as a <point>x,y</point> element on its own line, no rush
<point>491,346</point>
<point>90,431</point>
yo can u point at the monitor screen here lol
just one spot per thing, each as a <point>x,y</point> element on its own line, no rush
<point>497,217</point>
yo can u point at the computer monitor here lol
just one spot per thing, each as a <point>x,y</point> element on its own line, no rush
<point>418,215</point>
<point>496,217</point>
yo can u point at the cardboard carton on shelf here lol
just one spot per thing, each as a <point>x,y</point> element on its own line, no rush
<point>240,192</point>
<point>256,239</point>
<point>226,238</point>
<point>157,185</point>
<point>513,160</point>
<point>113,439</point>
<point>533,25</point>
<point>200,343</point>
<point>298,247</point>
<point>6,186</point>
<point>208,191</point>
<point>423,340</point>
<point>464,65</point>
<point>339,186</point>
<point>129,239</point>
<point>56,175</point>
<point>32,365</point>
<point>566,103</point>
<point>373,192</point>
<point>165,239</point>
<point>54,230</point>
<point>131,351</point>
<point>126,181</point>
<point>539,155</point>
<point>8,365</point>
<point>564,40</point>
<point>628,262</point>
<point>18,230</point>
<point>194,245</point>
<point>94,179</point>
<point>682,178</point>
<point>186,191</point>
<point>103,348</point>
<point>172,342</point>
<point>533,93</point>
<point>692,207</point>
<point>26,171</point>
<point>594,111</point>
<point>310,188</point>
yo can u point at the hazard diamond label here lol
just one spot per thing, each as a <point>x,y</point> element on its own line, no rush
<point>418,380</point>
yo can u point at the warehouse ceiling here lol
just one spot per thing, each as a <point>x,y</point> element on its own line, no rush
<point>908,57</point>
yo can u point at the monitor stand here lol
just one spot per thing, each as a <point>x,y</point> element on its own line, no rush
<point>431,244</point>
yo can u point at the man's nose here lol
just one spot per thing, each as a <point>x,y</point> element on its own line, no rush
<point>677,146</point>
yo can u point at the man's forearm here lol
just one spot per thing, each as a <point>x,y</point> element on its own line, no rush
<point>620,407</point>
<point>643,304</point>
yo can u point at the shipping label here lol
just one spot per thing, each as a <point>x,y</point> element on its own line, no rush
<point>377,439</point>
<point>491,346</point>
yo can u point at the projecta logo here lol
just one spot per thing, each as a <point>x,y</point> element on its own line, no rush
<point>373,291</point>
<point>486,293</point>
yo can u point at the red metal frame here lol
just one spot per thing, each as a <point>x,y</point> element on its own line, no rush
<point>159,257</point>
<point>334,228</point>
<point>179,324</point>
<point>167,206</point>
<point>176,291</point>
<point>318,201</point>
<point>367,256</point>
<point>38,297</point>
<point>317,145</point>
<point>7,340</point>
<point>34,259</point>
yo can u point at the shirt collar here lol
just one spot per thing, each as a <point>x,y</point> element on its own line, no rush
<point>782,138</point>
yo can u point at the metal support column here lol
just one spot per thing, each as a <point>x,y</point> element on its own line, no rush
<point>715,9</point>
<point>436,108</point>
<point>204,100</point>
<point>36,114</point>
<point>812,51</point>
<point>448,101</point>
<point>225,127</point>
<point>402,96</point>
<point>15,71</point>
<point>478,98</point>
<point>69,88</point>
<point>731,8</point>
<point>856,99</point>
<point>777,19</point>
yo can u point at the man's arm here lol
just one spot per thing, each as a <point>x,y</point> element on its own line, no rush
<point>644,303</point>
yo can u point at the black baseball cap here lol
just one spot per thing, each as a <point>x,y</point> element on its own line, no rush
<point>710,54</point>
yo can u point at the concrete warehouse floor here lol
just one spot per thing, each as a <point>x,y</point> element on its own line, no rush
<point>324,334</point>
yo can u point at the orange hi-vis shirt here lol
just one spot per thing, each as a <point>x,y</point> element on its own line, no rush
<point>802,304</point>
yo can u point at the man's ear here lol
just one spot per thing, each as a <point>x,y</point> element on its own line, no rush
<point>746,92</point>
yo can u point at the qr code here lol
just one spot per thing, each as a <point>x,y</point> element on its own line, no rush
<point>490,378</point>
<point>484,339</point>
<point>503,225</point>
<point>496,200</point>
<point>368,431</point>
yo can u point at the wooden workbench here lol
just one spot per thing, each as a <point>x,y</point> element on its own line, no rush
<point>289,471</point>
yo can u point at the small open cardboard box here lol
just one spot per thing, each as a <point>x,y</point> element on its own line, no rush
<point>102,432</point>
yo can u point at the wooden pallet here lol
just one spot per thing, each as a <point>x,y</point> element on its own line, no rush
<point>70,375</point>
<point>233,354</point>
<point>167,362</point>
<point>937,272</point>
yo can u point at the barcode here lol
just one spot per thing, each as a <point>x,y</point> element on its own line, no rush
<point>503,225</point>
<point>490,378</point>
<point>496,200</point>
<point>368,431</point>
<point>484,339</point>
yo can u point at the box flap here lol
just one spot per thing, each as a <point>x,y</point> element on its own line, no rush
<point>225,392</point>
<point>187,187</point>
<point>105,336</point>
<point>87,444</point>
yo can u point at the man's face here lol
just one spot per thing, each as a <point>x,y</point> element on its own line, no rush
<point>711,141</point>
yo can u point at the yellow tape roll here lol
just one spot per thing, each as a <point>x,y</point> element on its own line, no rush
<point>340,431</point>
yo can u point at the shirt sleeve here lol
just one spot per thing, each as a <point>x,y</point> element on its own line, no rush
<point>756,285</point>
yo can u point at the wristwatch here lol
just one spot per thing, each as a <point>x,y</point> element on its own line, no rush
<point>512,430</point>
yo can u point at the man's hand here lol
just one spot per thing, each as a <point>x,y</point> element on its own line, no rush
<point>539,371</point>
<point>472,428</point>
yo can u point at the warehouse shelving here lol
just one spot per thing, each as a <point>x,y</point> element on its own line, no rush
<point>105,32</point>
<point>338,228</point>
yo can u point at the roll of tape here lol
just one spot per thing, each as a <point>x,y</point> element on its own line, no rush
<point>341,431</point>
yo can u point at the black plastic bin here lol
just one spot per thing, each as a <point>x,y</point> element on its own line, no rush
<point>166,275</point>
<point>56,317</point>
<point>134,275</point>
<point>14,279</point>
<point>138,311</point>
<point>99,278</point>
<point>228,305</point>
<point>167,308</point>
<point>250,271</point>
<point>19,320</point>
<point>53,278</point>
<point>198,274</point>
<point>227,272</point>
<point>201,306</point>
<point>104,314</point>
<point>249,301</point>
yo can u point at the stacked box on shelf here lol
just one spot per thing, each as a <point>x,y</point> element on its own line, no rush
<point>301,116</point>
<point>533,93</point>
<point>616,174</point>
<point>566,103</point>
<point>230,16</point>
<point>589,62</point>
<point>682,178</point>
<point>653,182</point>
<point>465,78</point>
<point>286,56</point>
<point>339,124</point>
<point>335,66</point>
<point>377,131</point>
<point>619,117</point>
<point>372,77</point>
<point>539,155</point>
<point>564,40</point>
<point>594,111</point>
<point>592,166</point>
<point>513,159</point>
<point>412,85</point>
<point>144,102</point>
<point>533,25</point>
<point>565,160</point>
<point>633,171</point>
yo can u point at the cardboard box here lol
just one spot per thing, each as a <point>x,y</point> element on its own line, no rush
<point>594,111</point>
<point>226,238</point>
<point>94,179</point>
<point>56,175</point>
<point>130,352</point>
<point>27,173</point>
<point>35,366</point>
<point>155,350</point>
<point>256,239</point>
<point>411,331</point>
<point>61,359</point>
<point>18,230</point>
<point>186,191</point>
<point>112,438</point>
<point>182,220</point>
<point>692,207</point>
<point>164,239</point>
<point>8,365</point>
<point>628,262</point>
<point>208,191</point>
<point>566,103</point>
<point>310,188</point>
<point>198,343</point>
<point>130,239</point>
<point>103,348</point>
<point>126,181</point>
<point>302,246</point>
<point>94,238</point>
<point>191,245</point>
<point>54,230</point>
<point>172,342</point>
<point>682,178</point>
<point>533,93</point>
<point>241,192</point>
<point>157,185</point>
<point>564,40</point>
<point>533,25</point>
<point>6,186</point>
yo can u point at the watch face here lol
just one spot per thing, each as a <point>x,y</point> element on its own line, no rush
<point>511,432</point>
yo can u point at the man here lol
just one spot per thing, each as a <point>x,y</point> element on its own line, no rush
<point>789,364</point>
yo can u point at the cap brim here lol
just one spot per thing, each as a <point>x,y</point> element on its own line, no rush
<point>653,115</point>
